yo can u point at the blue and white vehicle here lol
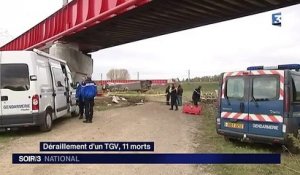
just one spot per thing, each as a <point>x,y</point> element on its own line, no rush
<point>261,104</point>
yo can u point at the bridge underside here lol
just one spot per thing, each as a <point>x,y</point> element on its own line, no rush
<point>160,17</point>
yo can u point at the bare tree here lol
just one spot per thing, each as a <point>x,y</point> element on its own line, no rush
<point>118,74</point>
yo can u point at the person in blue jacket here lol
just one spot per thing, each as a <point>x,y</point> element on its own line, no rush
<point>79,98</point>
<point>89,92</point>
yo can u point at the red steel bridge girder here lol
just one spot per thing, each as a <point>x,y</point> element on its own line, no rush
<point>74,17</point>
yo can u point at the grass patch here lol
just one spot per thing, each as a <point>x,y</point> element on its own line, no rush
<point>158,90</point>
<point>205,86</point>
<point>188,89</point>
<point>214,143</point>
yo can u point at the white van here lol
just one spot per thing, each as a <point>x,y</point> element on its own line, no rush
<point>35,89</point>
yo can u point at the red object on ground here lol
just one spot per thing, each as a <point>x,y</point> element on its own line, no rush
<point>192,109</point>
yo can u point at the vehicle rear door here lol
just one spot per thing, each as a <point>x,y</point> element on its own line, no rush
<point>70,85</point>
<point>234,102</point>
<point>16,91</point>
<point>266,103</point>
<point>293,122</point>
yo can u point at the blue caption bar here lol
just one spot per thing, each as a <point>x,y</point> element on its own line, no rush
<point>146,158</point>
<point>96,146</point>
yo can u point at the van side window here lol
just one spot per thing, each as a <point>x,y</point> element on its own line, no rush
<point>235,87</point>
<point>14,77</point>
<point>296,87</point>
<point>58,77</point>
<point>266,87</point>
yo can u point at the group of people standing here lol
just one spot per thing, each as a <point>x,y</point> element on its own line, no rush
<point>175,95</point>
<point>85,93</point>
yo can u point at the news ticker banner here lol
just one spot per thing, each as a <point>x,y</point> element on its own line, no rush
<point>97,146</point>
<point>150,158</point>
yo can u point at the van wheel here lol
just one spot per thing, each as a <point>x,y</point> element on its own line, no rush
<point>76,112</point>
<point>229,139</point>
<point>47,122</point>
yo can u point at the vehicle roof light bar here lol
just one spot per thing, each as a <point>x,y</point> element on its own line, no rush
<point>289,66</point>
<point>280,67</point>
<point>255,68</point>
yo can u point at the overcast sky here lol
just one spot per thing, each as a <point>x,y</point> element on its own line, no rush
<point>227,46</point>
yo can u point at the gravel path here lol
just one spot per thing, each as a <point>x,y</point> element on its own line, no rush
<point>172,131</point>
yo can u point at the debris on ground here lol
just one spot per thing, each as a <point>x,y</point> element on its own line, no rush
<point>140,103</point>
<point>103,102</point>
<point>115,99</point>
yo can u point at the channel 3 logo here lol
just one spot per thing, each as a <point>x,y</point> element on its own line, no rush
<point>276,19</point>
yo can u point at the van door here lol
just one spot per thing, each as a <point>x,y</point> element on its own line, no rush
<point>266,103</point>
<point>293,122</point>
<point>72,91</point>
<point>15,91</point>
<point>234,103</point>
<point>59,85</point>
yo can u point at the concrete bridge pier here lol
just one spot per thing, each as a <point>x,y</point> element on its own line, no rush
<point>80,64</point>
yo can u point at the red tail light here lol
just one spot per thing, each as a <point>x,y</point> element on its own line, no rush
<point>35,102</point>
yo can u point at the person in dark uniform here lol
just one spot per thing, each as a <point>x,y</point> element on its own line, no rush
<point>79,99</point>
<point>89,90</point>
<point>196,96</point>
<point>179,95</point>
<point>168,95</point>
<point>173,97</point>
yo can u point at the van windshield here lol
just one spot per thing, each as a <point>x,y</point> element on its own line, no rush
<point>14,77</point>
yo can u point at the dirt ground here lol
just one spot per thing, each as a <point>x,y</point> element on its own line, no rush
<point>172,132</point>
